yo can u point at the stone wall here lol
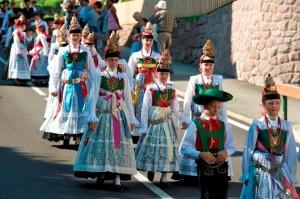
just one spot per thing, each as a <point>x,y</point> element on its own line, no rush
<point>252,39</point>
<point>189,37</point>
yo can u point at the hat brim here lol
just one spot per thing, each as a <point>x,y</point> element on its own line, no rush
<point>211,95</point>
<point>77,30</point>
<point>147,36</point>
<point>109,54</point>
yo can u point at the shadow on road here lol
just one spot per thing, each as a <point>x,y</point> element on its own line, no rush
<point>70,147</point>
<point>26,176</point>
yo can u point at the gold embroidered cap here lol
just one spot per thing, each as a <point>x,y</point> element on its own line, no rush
<point>62,35</point>
<point>86,31</point>
<point>112,48</point>
<point>270,90</point>
<point>74,25</point>
<point>164,61</point>
<point>90,39</point>
<point>58,19</point>
<point>148,31</point>
<point>208,49</point>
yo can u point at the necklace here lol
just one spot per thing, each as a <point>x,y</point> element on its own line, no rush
<point>206,85</point>
<point>274,135</point>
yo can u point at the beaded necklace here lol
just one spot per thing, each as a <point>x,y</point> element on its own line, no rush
<point>273,135</point>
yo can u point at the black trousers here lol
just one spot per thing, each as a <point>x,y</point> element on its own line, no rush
<point>213,187</point>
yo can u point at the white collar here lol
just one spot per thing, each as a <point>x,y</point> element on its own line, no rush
<point>112,72</point>
<point>73,48</point>
<point>272,121</point>
<point>207,79</point>
<point>145,53</point>
<point>206,117</point>
<point>161,85</point>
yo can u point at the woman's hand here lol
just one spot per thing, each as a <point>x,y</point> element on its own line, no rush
<point>131,126</point>
<point>54,94</point>
<point>184,125</point>
<point>92,126</point>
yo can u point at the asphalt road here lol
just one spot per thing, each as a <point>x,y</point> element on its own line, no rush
<point>32,168</point>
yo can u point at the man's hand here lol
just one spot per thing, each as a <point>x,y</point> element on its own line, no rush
<point>208,157</point>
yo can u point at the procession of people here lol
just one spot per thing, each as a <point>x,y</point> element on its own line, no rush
<point>107,105</point>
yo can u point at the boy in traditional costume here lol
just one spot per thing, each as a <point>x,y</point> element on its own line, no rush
<point>209,142</point>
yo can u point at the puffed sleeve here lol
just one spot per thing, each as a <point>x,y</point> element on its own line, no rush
<point>56,75</point>
<point>132,64</point>
<point>94,82</point>
<point>290,159</point>
<point>45,48</point>
<point>229,142</point>
<point>94,95</point>
<point>129,75</point>
<point>223,112</point>
<point>187,146</point>
<point>147,103</point>
<point>17,42</point>
<point>51,52</point>
<point>128,101</point>
<point>175,107</point>
<point>248,151</point>
<point>186,115</point>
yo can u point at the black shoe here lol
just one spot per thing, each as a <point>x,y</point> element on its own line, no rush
<point>66,142</point>
<point>118,188</point>
<point>163,183</point>
<point>100,181</point>
<point>150,175</point>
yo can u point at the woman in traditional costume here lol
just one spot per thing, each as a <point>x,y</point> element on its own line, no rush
<point>107,152</point>
<point>52,101</point>
<point>158,149</point>
<point>39,54</point>
<point>143,67</point>
<point>72,80</point>
<point>18,61</point>
<point>269,159</point>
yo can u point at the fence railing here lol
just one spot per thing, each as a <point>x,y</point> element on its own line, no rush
<point>180,8</point>
<point>288,91</point>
